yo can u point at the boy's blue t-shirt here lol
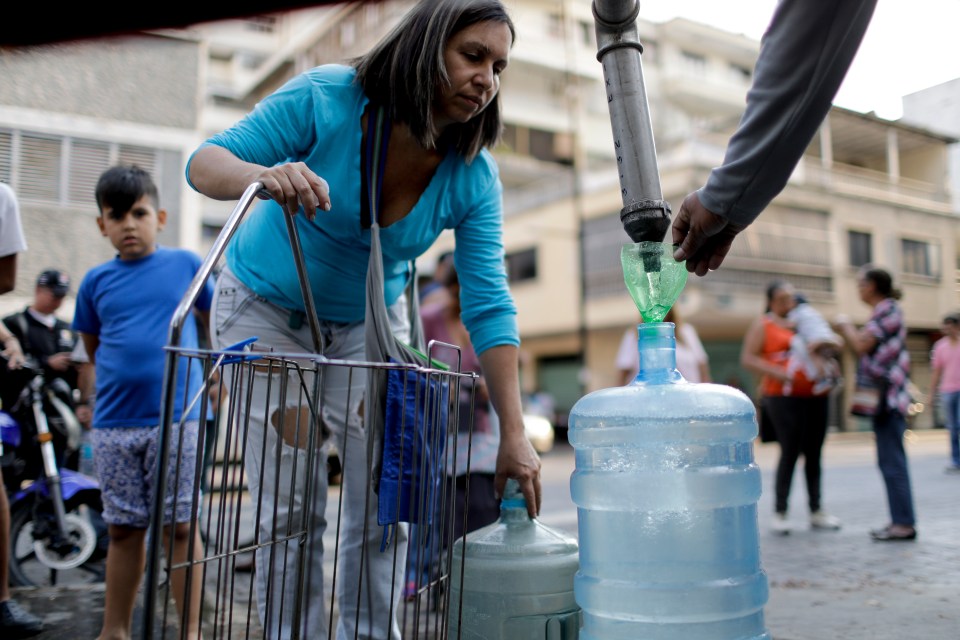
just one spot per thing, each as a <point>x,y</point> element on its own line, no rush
<point>128,305</point>
<point>315,118</point>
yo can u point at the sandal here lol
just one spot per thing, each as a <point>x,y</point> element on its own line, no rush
<point>889,534</point>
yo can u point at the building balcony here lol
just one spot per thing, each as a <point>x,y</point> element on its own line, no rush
<point>698,93</point>
<point>860,182</point>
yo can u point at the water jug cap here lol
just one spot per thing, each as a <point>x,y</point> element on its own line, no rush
<point>512,496</point>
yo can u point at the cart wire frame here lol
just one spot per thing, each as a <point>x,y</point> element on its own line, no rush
<point>224,510</point>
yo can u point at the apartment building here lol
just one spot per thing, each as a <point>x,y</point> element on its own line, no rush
<point>68,111</point>
<point>867,190</point>
<point>938,108</point>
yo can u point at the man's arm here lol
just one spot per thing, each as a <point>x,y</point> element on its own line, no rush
<point>860,340</point>
<point>936,368</point>
<point>12,349</point>
<point>804,56</point>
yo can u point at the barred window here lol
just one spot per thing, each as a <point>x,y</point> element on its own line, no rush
<point>63,170</point>
<point>920,258</point>
<point>522,265</point>
<point>860,248</point>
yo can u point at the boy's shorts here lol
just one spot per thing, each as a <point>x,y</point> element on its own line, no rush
<point>126,459</point>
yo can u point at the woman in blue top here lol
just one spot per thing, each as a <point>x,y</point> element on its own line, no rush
<point>437,74</point>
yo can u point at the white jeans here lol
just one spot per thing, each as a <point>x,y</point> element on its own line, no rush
<point>278,474</point>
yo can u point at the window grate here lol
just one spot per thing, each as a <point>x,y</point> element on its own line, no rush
<point>62,170</point>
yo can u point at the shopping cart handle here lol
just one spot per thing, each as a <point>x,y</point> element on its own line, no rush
<point>240,346</point>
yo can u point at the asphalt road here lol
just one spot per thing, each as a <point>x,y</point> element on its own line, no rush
<point>823,585</point>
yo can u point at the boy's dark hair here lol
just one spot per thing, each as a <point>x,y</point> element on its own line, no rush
<point>405,72</point>
<point>951,318</point>
<point>120,187</point>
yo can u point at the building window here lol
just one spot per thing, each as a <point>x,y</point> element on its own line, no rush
<point>588,33</point>
<point>603,239</point>
<point>555,26</point>
<point>61,170</point>
<point>694,62</point>
<point>550,146</point>
<point>521,265</point>
<point>348,34</point>
<point>739,73</point>
<point>262,24</point>
<point>859,244</point>
<point>920,258</point>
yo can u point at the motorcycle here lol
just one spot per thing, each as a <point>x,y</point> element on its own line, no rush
<point>57,533</point>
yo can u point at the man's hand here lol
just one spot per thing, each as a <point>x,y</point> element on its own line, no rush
<point>60,361</point>
<point>704,238</point>
<point>84,415</point>
<point>13,353</point>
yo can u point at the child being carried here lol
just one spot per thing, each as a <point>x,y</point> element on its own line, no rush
<point>815,348</point>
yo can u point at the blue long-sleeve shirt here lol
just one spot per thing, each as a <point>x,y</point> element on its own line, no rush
<point>315,118</point>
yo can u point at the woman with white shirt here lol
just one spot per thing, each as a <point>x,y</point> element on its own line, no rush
<point>692,361</point>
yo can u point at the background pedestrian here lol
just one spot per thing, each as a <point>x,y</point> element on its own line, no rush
<point>15,622</point>
<point>945,383</point>
<point>799,419</point>
<point>123,314</point>
<point>884,364</point>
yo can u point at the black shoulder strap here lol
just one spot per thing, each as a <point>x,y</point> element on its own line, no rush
<point>21,320</point>
<point>373,163</point>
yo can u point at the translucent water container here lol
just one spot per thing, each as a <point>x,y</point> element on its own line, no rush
<point>666,489</point>
<point>517,581</point>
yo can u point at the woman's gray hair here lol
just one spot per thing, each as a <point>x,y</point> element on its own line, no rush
<point>405,72</point>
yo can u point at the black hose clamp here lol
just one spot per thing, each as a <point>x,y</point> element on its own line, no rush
<point>616,31</point>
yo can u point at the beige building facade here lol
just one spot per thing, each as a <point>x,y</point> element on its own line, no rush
<point>867,190</point>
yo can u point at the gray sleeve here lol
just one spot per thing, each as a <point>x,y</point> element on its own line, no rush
<point>804,56</point>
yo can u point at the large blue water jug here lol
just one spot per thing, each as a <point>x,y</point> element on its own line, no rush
<point>666,489</point>
<point>517,581</point>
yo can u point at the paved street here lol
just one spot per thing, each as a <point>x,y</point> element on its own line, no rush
<point>842,585</point>
<point>823,585</point>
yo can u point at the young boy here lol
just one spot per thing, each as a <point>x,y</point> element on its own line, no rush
<point>123,312</point>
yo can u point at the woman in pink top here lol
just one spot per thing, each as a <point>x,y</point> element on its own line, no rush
<point>945,359</point>
<point>692,361</point>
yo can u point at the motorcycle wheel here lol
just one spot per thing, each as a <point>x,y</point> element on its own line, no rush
<point>33,561</point>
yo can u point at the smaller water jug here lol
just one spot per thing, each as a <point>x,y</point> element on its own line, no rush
<point>517,581</point>
<point>87,466</point>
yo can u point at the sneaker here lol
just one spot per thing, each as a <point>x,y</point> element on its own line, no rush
<point>15,622</point>
<point>780,524</point>
<point>823,520</point>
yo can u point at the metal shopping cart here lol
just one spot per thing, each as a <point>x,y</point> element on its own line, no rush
<point>243,531</point>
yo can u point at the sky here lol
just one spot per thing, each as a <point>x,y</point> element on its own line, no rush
<point>910,44</point>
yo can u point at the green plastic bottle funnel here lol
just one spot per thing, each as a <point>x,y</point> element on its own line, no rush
<point>653,278</point>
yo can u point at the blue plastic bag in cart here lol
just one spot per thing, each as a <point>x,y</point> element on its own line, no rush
<point>415,435</point>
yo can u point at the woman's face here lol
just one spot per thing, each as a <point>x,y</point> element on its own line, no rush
<point>782,301</point>
<point>865,288</point>
<point>475,57</point>
<point>951,329</point>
